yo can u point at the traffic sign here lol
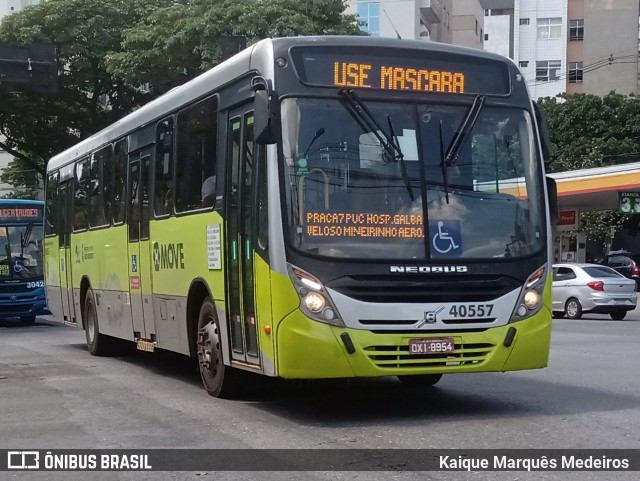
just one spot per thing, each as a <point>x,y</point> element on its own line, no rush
<point>629,202</point>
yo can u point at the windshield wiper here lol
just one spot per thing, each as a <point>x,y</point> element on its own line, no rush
<point>444,168</point>
<point>463,131</point>
<point>449,159</point>
<point>388,142</point>
<point>403,166</point>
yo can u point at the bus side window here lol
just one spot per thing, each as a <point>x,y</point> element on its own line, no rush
<point>51,206</point>
<point>119,181</point>
<point>96,191</point>
<point>107,183</point>
<point>81,195</point>
<point>196,153</point>
<point>163,168</point>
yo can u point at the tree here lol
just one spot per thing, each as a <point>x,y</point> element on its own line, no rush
<point>590,131</point>
<point>176,43</point>
<point>37,126</point>
<point>108,49</point>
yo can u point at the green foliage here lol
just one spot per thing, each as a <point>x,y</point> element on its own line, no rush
<point>109,48</point>
<point>176,43</point>
<point>27,180</point>
<point>590,131</point>
<point>597,225</point>
<point>37,126</point>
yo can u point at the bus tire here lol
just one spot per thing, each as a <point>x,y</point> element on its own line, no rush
<point>98,344</point>
<point>420,380</point>
<point>218,379</point>
<point>28,320</point>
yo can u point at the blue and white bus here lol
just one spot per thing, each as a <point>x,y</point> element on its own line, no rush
<point>22,292</point>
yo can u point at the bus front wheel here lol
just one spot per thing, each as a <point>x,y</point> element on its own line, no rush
<point>420,380</point>
<point>98,344</point>
<point>217,378</point>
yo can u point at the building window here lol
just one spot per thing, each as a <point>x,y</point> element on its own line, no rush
<point>369,13</point>
<point>575,72</point>
<point>486,37</point>
<point>547,70</point>
<point>549,28</point>
<point>523,63</point>
<point>576,29</point>
<point>524,21</point>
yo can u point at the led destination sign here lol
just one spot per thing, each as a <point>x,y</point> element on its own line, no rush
<point>411,70</point>
<point>363,224</point>
<point>389,77</point>
<point>20,214</point>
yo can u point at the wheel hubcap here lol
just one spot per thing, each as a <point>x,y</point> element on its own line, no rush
<point>209,347</point>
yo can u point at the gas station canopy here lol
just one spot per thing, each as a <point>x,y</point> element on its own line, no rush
<point>598,188</point>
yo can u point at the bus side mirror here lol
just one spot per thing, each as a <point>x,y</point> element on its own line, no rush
<point>552,197</point>
<point>264,112</point>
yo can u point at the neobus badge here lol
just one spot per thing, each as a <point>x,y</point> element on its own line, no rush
<point>427,269</point>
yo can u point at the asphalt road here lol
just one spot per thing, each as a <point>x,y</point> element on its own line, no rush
<point>54,395</point>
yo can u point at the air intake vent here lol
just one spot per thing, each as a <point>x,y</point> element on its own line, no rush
<point>420,288</point>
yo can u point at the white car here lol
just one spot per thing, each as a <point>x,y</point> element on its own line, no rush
<point>581,288</point>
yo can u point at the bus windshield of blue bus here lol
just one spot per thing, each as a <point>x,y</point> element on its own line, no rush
<point>405,70</point>
<point>382,189</point>
<point>21,234</point>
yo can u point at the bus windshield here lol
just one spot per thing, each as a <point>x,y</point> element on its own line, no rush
<point>21,253</point>
<point>381,180</point>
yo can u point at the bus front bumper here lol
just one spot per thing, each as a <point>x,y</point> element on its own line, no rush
<point>310,349</point>
<point>10,308</point>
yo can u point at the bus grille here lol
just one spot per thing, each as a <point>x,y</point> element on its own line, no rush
<point>393,357</point>
<point>392,289</point>
<point>14,287</point>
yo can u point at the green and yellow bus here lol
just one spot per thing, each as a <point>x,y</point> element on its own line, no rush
<point>314,207</point>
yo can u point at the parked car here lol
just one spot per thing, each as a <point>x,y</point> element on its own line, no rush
<point>581,288</point>
<point>624,263</point>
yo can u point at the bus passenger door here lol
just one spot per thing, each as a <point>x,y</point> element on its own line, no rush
<point>139,258</point>
<point>65,223</point>
<point>240,239</point>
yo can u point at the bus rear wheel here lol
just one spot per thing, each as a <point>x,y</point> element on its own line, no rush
<point>98,344</point>
<point>420,380</point>
<point>218,379</point>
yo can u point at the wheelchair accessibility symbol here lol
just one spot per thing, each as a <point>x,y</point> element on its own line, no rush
<point>446,237</point>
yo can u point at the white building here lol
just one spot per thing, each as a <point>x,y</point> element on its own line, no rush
<point>459,22</point>
<point>573,46</point>
<point>540,45</point>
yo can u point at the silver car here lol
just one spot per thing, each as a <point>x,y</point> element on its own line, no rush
<point>581,288</point>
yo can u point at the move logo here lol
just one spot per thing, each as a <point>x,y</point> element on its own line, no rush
<point>168,256</point>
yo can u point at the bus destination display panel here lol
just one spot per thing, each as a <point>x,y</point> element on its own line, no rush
<point>19,213</point>
<point>389,69</point>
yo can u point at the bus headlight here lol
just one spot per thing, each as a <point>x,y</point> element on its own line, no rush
<point>530,299</point>
<point>314,298</point>
<point>315,302</point>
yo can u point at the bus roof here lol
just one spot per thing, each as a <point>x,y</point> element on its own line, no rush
<point>232,68</point>
<point>4,202</point>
